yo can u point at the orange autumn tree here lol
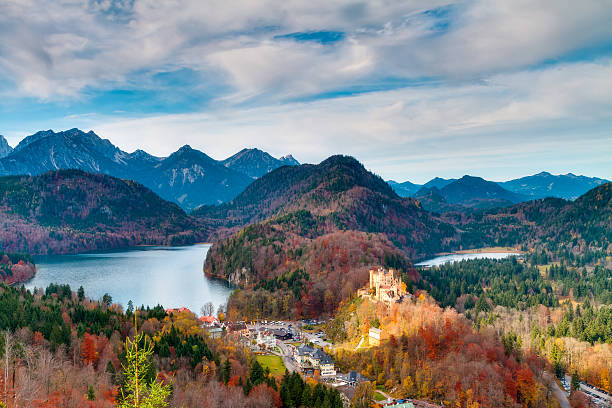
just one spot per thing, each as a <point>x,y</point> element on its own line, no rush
<point>89,350</point>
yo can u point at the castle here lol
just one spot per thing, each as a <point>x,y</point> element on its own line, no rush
<point>385,286</point>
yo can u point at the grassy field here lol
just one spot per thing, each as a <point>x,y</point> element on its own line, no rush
<point>379,397</point>
<point>274,363</point>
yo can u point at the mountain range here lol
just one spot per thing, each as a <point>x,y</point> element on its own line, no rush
<point>443,195</point>
<point>578,227</point>
<point>544,184</point>
<point>310,231</point>
<point>187,177</point>
<point>191,178</point>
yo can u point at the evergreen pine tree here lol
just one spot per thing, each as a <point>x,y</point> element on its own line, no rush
<point>575,381</point>
<point>91,394</point>
<point>137,393</point>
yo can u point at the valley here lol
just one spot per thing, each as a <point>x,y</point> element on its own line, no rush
<point>298,243</point>
<point>305,204</point>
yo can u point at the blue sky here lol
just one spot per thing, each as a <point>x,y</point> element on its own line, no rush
<point>414,89</point>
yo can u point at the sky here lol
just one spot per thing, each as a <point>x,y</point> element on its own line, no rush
<point>413,89</point>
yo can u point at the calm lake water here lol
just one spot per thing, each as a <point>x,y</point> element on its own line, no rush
<point>441,260</point>
<point>170,276</point>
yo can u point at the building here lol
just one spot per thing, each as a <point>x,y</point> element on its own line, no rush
<point>316,359</point>
<point>324,363</point>
<point>177,310</point>
<point>208,321</point>
<point>265,339</point>
<point>282,334</point>
<point>302,354</point>
<point>352,378</point>
<point>240,328</point>
<point>374,336</point>
<point>215,332</point>
<point>385,286</point>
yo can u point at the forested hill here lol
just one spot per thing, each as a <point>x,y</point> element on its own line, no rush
<point>70,211</point>
<point>552,222</point>
<point>337,194</point>
<point>16,268</point>
<point>316,229</point>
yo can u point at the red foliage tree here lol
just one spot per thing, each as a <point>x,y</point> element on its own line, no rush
<point>89,350</point>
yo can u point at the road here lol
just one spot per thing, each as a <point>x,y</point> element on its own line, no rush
<point>559,394</point>
<point>287,356</point>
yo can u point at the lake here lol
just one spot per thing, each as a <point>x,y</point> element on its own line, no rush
<point>170,276</point>
<point>441,260</point>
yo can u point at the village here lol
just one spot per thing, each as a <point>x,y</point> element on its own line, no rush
<point>298,346</point>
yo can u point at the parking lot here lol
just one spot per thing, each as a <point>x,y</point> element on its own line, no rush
<point>598,396</point>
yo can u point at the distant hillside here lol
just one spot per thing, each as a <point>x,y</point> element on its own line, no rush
<point>578,226</point>
<point>71,211</point>
<point>479,193</point>
<point>255,163</point>
<point>438,183</point>
<point>405,189</point>
<point>408,189</point>
<point>432,200</point>
<point>5,149</point>
<point>541,185</point>
<point>468,191</point>
<point>187,177</point>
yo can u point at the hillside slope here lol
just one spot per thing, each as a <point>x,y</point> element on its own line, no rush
<point>69,211</point>
<point>585,223</point>
<point>468,192</point>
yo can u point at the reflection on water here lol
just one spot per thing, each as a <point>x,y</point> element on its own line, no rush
<point>170,276</point>
<point>441,260</point>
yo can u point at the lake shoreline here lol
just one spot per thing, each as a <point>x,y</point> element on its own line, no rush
<point>147,275</point>
<point>486,250</point>
<point>465,256</point>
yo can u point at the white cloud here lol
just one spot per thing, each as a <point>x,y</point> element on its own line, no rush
<point>413,133</point>
<point>57,49</point>
<point>480,93</point>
